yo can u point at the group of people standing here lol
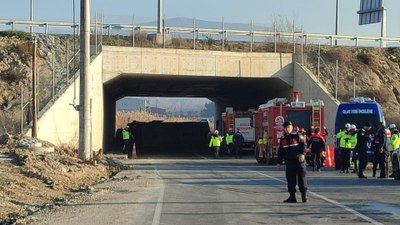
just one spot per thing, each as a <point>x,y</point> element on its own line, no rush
<point>354,143</point>
<point>234,143</point>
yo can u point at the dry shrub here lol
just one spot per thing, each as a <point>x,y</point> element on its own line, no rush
<point>382,95</point>
<point>14,74</point>
<point>24,49</point>
<point>140,37</point>
<point>368,58</point>
<point>344,55</point>
<point>181,43</point>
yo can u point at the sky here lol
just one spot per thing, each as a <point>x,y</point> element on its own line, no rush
<point>313,16</point>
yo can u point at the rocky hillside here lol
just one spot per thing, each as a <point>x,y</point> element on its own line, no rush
<point>16,50</point>
<point>377,71</point>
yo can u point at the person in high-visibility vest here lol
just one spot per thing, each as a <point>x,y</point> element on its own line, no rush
<point>126,138</point>
<point>229,141</point>
<point>353,143</point>
<point>394,145</point>
<point>345,148</point>
<point>215,143</point>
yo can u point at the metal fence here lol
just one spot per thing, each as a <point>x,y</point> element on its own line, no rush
<point>275,33</point>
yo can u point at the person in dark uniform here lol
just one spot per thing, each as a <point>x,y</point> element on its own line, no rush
<point>238,141</point>
<point>292,150</point>
<point>363,139</point>
<point>380,152</point>
<point>317,144</point>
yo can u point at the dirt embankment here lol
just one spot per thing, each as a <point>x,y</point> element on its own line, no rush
<point>31,182</point>
<point>376,73</point>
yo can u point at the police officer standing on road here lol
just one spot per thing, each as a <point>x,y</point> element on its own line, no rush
<point>238,141</point>
<point>380,152</point>
<point>292,149</point>
<point>363,139</point>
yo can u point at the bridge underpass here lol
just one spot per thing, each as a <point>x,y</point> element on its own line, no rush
<point>237,92</point>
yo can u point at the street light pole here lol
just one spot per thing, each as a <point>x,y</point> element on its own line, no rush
<point>31,16</point>
<point>337,21</point>
<point>160,16</point>
<point>34,90</point>
<point>84,93</point>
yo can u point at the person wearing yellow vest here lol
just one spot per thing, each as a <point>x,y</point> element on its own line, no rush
<point>229,141</point>
<point>127,139</point>
<point>353,143</point>
<point>215,143</point>
<point>394,146</point>
<point>345,148</point>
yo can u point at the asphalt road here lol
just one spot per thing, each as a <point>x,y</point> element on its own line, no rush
<point>198,190</point>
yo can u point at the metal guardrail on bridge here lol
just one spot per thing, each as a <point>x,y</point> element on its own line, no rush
<point>196,30</point>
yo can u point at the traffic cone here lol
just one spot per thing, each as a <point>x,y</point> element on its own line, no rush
<point>330,155</point>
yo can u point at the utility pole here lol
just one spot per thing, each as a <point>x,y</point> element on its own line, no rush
<point>31,16</point>
<point>160,17</point>
<point>337,21</point>
<point>84,92</point>
<point>34,90</point>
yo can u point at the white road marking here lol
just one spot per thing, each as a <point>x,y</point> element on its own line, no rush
<point>158,210</point>
<point>372,221</point>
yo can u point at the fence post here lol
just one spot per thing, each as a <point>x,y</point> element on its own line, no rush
<point>294,38</point>
<point>67,62</point>
<point>22,110</point>
<point>223,36</point>
<point>95,34</point>
<point>337,76</point>
<point>53,76</point>
<point>251,36</point>
<point>194,33</point>
<point>133,31</point>
<point>275,38</point>
<point>319,61</point>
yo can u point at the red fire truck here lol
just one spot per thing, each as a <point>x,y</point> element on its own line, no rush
<point>242,120</point>
<point>269,119</point>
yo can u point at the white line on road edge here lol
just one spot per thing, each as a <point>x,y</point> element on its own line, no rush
<point>372,221</point>
<point>157,212</point>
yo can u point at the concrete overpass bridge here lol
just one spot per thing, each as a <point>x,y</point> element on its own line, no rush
<point>234,79</point>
